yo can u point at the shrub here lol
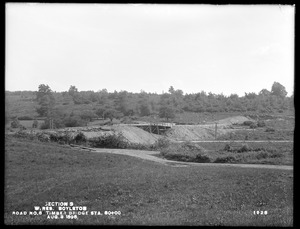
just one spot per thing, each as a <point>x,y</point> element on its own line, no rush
<point>88,115</point>
<point>193,147</point>
<point>186,151</point>
<point>202,158</point>
<point>25,118</point>
<point>80,137</point>
<point>261,124</point>
<point>225,159</point>
<point>35,124</point>
<point>228,148</point>
<point>110,141</point>
<point>15,124</point>
<point>161,143</point>
<point>269,129</point>
<point>44,126</point>
<point>74,121</point>
<point>22,134</point>
<point>253,126</point>
<point>248,123</point>
<point>43,137</point>
<point>244,148</point>
<point>262,155</point>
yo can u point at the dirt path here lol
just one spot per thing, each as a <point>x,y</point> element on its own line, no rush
<point>149,155</point>
<point>242,141</point>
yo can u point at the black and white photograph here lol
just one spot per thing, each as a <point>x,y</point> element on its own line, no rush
<point>149,114</point>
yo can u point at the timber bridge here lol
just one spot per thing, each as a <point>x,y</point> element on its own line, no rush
<point>153,128</point>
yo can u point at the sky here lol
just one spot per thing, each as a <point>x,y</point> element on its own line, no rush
<point>213,48</point>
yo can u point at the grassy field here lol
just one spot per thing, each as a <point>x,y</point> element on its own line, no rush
<point>274,153</point>
<point>259,134</point>
<point>146,193</point>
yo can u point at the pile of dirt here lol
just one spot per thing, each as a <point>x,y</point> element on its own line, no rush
<point>136,135</point>
<point>234,120</point>
<point>194,132</point>
<point>203,132</point>
<point>131,133</point>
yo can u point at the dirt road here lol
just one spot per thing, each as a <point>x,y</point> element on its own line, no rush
<point>240,141</point>
<point>150,155</point>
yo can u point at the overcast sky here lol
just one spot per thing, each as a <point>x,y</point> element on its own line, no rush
<point>219,49</point>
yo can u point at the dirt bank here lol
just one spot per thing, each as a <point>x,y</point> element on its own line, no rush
<point>204,132</point>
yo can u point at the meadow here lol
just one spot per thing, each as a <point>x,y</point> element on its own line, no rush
<point>146,193</point>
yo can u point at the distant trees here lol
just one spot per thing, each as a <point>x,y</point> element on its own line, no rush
<point>104,104</point>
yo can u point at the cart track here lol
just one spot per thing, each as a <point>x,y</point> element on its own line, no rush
<point>150,155</point>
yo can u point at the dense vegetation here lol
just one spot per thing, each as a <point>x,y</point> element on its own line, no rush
<point>77,108</point>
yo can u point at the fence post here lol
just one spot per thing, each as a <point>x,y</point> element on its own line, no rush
<point>216,130</point>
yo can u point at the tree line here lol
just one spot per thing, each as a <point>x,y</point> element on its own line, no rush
<point>127,104</point>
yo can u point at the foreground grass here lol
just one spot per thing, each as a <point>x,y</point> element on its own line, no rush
<point>146,193</point>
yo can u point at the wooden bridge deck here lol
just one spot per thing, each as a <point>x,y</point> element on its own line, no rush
<point>155,128</point>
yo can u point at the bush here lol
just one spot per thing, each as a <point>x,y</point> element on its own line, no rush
<point>262,155</point>
<point>25,118</point>
<point>161,143</point>
<point>15,124</point>
<point>248,123</point>
<point>74,121</point>
<point>111,141</point>
<point>35,124</point>
<point>202,158</point>
<point>80,137</point>
<point>253,126</point>
<point>228,148</point>
<point>244,148</point>
<point>270,129</point>
<point>261,124</point>
<point>22,134</point>
<point>186,151</point>
<point>225,159</point>
<point>45,125</point>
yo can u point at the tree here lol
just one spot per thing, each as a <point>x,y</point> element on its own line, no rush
<point>166,112</point>
<point>278,90</point>
<point>45,99</point>
<point>264,92</point>
<point>171,90</point>
<point>87,115</point>
<point>144,109</point>
<point>111,114</point>
<point>100,112</point>
<point>72,91</point>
